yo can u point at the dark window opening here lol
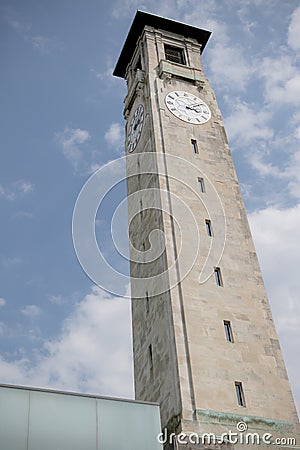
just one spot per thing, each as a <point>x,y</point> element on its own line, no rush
<point>194,146</point>
<point>138,65</point>
<point>141,208</point>
<point>150,356</point>
<point>147,302</point>
<point>208,227</point>
<point>175,54</point>
<point>228,331</point>
<point>218,276</point>
<point>239,393</point>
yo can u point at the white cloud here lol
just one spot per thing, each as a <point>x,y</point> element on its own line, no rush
<point>56,299</point>
<point>10,261</point>
<point>246,124</point>
<point>282,79</point>
<point>294,30</point>
<point>70,140</point>
<point>122,8</point>
<point>114,136</point>
<point>91,354</point>
<point>248,128</point>
<point>41,43</point>
<point>264,168</point>
<point>226,60</point>
<point>18,24</point>
<point>94,167</point>
<point>295,122</point>
<point>106,74</point>
<point>2,301</point>
<point>83,156</point>
<point>248,22</point>
<point>45,44</point>
<point>31,311</point>
<point>176,9</point>
<point>297,132</point>
<point>236,73</point>
<point>15,190</point>
<point>127,8</point>
<point>23,214</point>
<point>23,28</point>
<point>13,372</point>
<point>292,172</point>
<point>203,17</point>
<point>24,187</point>
<point>276,232</point>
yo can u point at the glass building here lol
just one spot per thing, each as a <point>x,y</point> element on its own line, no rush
<point>34,419</point>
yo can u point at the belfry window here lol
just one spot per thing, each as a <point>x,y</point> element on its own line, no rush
<point>174,54</point>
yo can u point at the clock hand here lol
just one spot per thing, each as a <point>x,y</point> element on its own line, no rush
<point>193,106</point>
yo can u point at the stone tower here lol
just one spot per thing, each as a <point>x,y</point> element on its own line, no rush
<point>204,342</point>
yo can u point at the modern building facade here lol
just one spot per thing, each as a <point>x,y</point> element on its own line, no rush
<point>205,345</point>
<point>39,419</point>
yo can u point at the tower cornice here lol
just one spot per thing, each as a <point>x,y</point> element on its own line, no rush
<point>140,21</point>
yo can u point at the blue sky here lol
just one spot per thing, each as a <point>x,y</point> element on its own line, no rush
<point>61,119</point>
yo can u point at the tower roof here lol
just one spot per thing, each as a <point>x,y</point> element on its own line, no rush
<point>143,18</point>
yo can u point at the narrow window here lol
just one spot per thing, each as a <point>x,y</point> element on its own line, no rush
<point>201,184</point>
<point>150,357</point>
<point>218,276</point>
<point>141,208</point>
<point>239,393</point>
<point>174,54</point>
<point>228,331</point>
<point>208,227</point>
<point>147,302</point>
<point>194,146</point>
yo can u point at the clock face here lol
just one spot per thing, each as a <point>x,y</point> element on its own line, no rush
<point>135,128</point>
<point>188,107</point>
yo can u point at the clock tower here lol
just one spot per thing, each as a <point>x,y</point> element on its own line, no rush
<point>204,342</point>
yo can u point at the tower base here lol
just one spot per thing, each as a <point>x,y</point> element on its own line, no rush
<point>212,430</point>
